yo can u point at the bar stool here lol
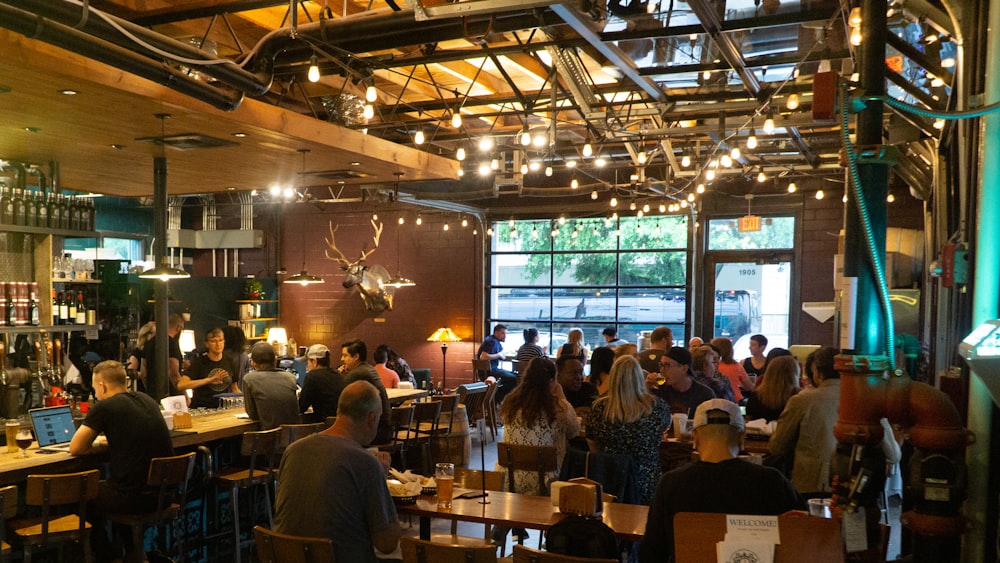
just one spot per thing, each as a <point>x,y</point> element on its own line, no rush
<point>170,477</point>
<point>260,447</point>
<point>48,492</point>
<point>8,509</point>
<point>293,432</point>
<point>275,547</point>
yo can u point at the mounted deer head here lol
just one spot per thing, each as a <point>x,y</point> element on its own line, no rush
<point>370,281</point>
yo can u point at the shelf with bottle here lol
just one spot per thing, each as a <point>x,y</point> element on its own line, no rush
<point>25,208</point>
<point>70,307</point>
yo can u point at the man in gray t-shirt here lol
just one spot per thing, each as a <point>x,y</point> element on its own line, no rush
<point>269,394</point>
<point>332,487</point>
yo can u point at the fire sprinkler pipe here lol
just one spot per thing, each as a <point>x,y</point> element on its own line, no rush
<point>936,474</point>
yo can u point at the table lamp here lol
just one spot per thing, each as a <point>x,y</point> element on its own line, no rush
<point>444,336</point>
<point>278,339</point>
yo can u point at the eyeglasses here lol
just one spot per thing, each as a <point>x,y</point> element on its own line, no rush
<point>668,365</point>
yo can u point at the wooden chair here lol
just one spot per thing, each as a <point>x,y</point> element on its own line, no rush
<point>275,547</point>
<point>475,402</point>
<point>170,477</point>
<point>53,491</point>
<point>423,428</point>
<point>490,406</point>
<point>481,369</point>
<point>8,509</point>
<point>401,419</point>
<point>449,410</point>
<point>514,457</point>
<point>524,554</point>
<point>416,550</point>
<point>330,420</point>
<point>260,447</point>
<point>293,432</point>
<point>516,367</point>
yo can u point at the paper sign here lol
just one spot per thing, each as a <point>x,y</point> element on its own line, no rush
<point>855,530</point>
<point>751,527</point>
<point>744,552</point>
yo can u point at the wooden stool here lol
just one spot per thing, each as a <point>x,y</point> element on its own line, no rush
<point>8,509</point>
<point>260,447</point>
<point>48,491</point>
<point>274,547</point>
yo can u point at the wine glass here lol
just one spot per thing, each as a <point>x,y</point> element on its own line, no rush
<point>24,439</point>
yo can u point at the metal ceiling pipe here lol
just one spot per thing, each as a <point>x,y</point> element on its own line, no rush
<point>71,14</point>
<point>36,27</point>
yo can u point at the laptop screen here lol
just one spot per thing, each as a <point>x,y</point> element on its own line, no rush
<point>53,425</point>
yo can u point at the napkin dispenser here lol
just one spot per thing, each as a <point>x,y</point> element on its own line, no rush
<point>577,496</point>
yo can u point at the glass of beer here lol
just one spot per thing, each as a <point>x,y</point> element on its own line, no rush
<point>444,474</point>
<point>23,440</point>
<point>11,427</point>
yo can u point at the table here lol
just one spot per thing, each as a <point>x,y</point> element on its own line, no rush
<point>521,511</point>
<point>399,396</point>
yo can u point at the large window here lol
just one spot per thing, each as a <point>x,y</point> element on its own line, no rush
<point>630,273</point>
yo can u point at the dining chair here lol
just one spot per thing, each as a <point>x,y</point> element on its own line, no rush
<point>51,493</point>
<point>169,476</point>
<point>490,409</point>
<point>260,448</point>
<point>416,550</point>
<point>293,432</point>
<point>423,428</point>
<point>481,369</point>
<point>539,459</point>
<point>400,420</point>
<point>275,547</point>
<point>8,509</point>
<point>446,421</point>
<point>524,554</point>
<point>475,403</point>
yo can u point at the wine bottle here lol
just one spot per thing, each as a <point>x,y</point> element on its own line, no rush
<point>71,308</point>
<point>55,215</point>
<point>63,310</point>
<point>33,319</point>
<point>55,308</point>
<point>11,312</point>
<point>81,309</point>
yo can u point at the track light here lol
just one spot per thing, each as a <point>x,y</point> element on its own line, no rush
<point>313,74</point>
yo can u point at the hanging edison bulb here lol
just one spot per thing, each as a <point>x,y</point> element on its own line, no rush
<point>465,222</point>
<point>792,102</point>
<point>574,183</point>
<point>368,112</point>
<point>588,150</point>
<point>525,138</point>
<point>456,120</point>
<point>792,187</point>
<point>371,94</point>
<point>726,161</point>
<point>594,195</point>
<point>663,209</point>
<point>641,157</point>
<point>761,176</point>
<point>709,175</point>
<point>752,140</point>
<point>735,154</point>
<point>313,74</point>
<point>700,189</point>
<point>613,202</point>
<point>685,161</point>
<point>820,194</point>
<point>418,137</point>
<point>460,153</point>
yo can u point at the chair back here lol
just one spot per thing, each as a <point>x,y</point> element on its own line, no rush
<point>425,418</point>
<point>423,377</point>
<point>524,554</point>
<point>48,491</point>
<point>293,432</point>
<point>275,547</point>
<point>8,508</point>
<point>402,419</point>
<point>475,399</point>
<point>473,479</point>
<point>329,421</point>
<point>449,406</point>
<point>421,551</point>
<point>514,457</point>
<point>516,366</point>
<point>261,447</point>
<point>170,477</point>
<point>481,368</point>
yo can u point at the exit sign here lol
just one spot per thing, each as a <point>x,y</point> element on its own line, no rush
<point>749,223</point>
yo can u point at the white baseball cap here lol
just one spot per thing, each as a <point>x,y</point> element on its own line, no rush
<point>718,411</point>
<point>317,351</point>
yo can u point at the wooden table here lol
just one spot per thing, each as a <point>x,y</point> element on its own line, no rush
<point>521,511</point>
<point>399,396</point>
<point>206,428</point>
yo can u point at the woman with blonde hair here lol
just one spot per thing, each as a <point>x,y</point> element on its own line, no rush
<point>574,348</point>
<point>781,382</point>
<point>630,421</point>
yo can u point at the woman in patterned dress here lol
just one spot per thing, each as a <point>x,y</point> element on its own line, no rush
<point>630,421</point>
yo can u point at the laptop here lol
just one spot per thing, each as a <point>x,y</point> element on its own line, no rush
<point>54,428</point>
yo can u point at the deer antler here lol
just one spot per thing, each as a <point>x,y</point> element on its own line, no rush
<point>331,243</point>
<point>378,233</point>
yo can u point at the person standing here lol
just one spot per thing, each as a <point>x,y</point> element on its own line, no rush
<point>269,393</point>
<point>611,337</point>
<point>321,387</point>
<point>134,433</point>
<point>660,340</point>
<point>136,358</point>
<point>390,379</point>
<point>492,349</point>
<point>353,364</point>
<point>718,482</point>
<point>175,324</point>
<point>331,487</point>
<point>211,372</point>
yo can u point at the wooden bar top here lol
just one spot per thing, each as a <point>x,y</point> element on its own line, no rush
<point>399,396</point>
<point>526,511</point>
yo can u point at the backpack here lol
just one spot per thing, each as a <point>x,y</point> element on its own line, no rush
<point>582,536</point>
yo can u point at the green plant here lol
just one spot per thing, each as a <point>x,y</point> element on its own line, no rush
<point>253,289</point>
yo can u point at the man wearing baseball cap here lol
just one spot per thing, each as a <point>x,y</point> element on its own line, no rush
<point>321,387</point>
<point>718,482</point>
<point>679,390</point>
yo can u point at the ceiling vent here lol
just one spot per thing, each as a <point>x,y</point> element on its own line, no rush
<point>188,141</point>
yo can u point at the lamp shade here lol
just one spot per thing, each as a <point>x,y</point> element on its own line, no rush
<point>164,272</point>
<point>277,334</point>
<point>186,341</point>
<point>304,278</point>
<point>444,335</point>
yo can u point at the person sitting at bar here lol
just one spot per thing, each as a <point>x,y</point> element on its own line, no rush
<point>269,393</point>
<point>331,487</point>
<point>718,482</point>
<point>353,354</point>
<point>390,379</point>
<point>680,390</point>
<point>134,433</point>
<point>492,349</point>
<point>321,387</point>
<point>211,372</point>
<point>660,340</point>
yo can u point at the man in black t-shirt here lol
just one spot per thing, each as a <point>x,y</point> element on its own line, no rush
<point>321,387</point>
<point>210,373</point>
<point>175,359</point>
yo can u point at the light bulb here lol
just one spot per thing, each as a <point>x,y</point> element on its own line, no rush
<point>460,153</point>
<point>570,164</point>
<point>465,222</point>
<point>641,157</point>
<point>494,164</point>
<point>574,183</point>
<point>461,172</point>
<point>594,195</point>
<point>525,138</point>
<point>456,120</point>
<point>524,168</point>
<point>685,161</point>
<point>401,220</point>
<point>534,233</point>
<point>820,194</point>
<point>600,162</point>
<point>645,208</point>
<point>562,219</point>
<point>890,198</point>
<point>792,102</point>
<point>418,137</point>
<point>275,190</point>
<point>855,17</point>
<point>534,166</point>
<point>445,227</point>
<point>761,177</point>
<point>709,175</point>
<point>375,217</point>
<point>489,231</point>
<point>368,112</point>
<point>420,220</point>
<point>371,94</point>
<point>614,202</point>
<point>856,36</point>
<point>313,74</point>
<point>631,206</point>
<point>752,140</point>
<point>700,189</point>
<point>588,150</point>
<point>726,161</point>
<point>639,214</point>
<point>289,193</point>
<point>706,75</point>
<point>792,187</point>
<point>690,197</point>
<point>735,154</point>
<point>769,125</point>
<point>484,169</point>
<point>663,209</point>
<point>485,144</point>
<point>548,171</point>
<point>939,124</point>
<point>539,141</point>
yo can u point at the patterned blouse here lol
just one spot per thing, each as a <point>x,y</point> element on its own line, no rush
<point>639,440</point>
<point>541,433</point>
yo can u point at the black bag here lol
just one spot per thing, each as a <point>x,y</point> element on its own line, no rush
<point>581,536</point>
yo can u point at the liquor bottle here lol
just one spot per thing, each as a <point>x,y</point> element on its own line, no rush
<point>11,312</point>
<point>18,201</point>
<point>42,202</point>
<point>81,309</point>
<point>71,308</point>
<point>33,319</point>
<point>63,310</point>
<point>6,206</point>
<point>30,208</point>
<point>63,212</point>
<point>55,216</point>
<point>55,308</point>
<point>75,213</point>
<point>91,215</point>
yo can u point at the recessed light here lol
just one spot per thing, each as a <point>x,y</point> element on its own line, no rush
<point>32,129</point>
<point>239,134</point>
<point>355,163</point>
<point>68,92</point>
<point>117,146</point>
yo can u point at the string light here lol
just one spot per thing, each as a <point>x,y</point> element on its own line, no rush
<point>313,73</point>
<point>594,195</point>
<point>525,138</point>
<point>645,208</point>
<point>614,202</point>
<point>574,183</point>
<point>709,175</point>
<point>494,164</point>
<point>752,139</point>
<point>562,219</point>
<point>663,209</point>
<point>460,153</point>
<point>726,160</point>
<point>484,169</point>
<point>486,144</point>
<point>588,150</point>
<point>641,157</point>
<point>420,220</point>
<point>700,189</point>
<point>792,187</point>
<point>855,17</point>
<point>524,168</point>
<point>685,161</point>
<point>856,36</point>
<point>761,176</point>
<point>456,120</point>
<point>735,154</point>
<point>820,194</point>
<point>368,112</point>
<point>401,220</point>
<point>792,102</point>
<point>570,164</point>
<point>489,231</point>
<point>548,171</point>
<point>600,162</point>
<point>445,227</point>
<point>371,94</point>
<point>465,222</point>
<point>418,137</point>
<point>890,198</point>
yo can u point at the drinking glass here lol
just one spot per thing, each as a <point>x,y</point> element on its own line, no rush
<point>24,439</point>
<point>444,474</point>
<point>11,428</point>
